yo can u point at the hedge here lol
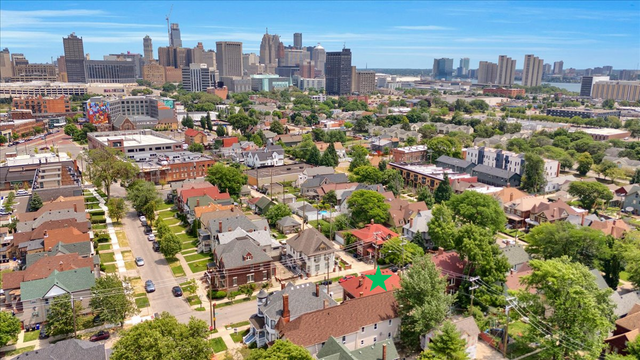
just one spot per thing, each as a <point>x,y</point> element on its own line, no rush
<point>217,294</point>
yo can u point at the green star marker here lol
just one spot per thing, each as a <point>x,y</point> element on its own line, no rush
<point>378,280</point>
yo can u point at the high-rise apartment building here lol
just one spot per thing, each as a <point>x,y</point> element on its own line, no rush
<point>74,58</point>
<point>148,49</point>
<point>607,70</point>
<point>487,72</point>
<point>338,72</point>
<point>294,57</point>
<point>297,40</point>
<point>229,58</point>
<point>586,84</point>
<point>532,70</point>
<point>366,82</point>
<point>34,72</point>
<point>546,69</point>
<point>506,70</point>
<point>319,56</point>
<point>197,77</point>
<point>464,66</point>
<point>269,49</point>
<point>442,68</point>
<point>557,67</point>
<point>6,67</point>
<point>176,41</point>
<point>617,90</point>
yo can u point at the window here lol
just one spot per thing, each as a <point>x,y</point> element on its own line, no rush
<point>389,336</point>
<point>362,329</point>
<point>264,275</point>
<point>249,278</point>
<point>317,267</point>
<point>375,326</point>
<point>344,339</point>
<point>235,281</point>
<point>375,339</point>
<point>390,322</point>
<point>361,342</point>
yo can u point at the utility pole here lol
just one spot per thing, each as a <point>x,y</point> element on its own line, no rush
<point>214,316</point>
<point>505,336</point>
<point>473,288</point>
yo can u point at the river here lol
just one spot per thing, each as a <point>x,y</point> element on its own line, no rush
<point>575,87</point>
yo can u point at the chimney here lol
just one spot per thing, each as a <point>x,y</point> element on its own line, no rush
<point>582,220</point>
<point>285,308</point>
<point>371,221</point>
<point>361,293</point>
<point>508,185</point>
<point>511,197</point>
<point>46,233</point>
<point>198,202</point>
<point>555,213</point>
<point>265,228</point>
<point>440,251</point>
<point>282,286</point>
<point>61,265</point>
<point>411,223</point>
<point>360,281</point>
<point>317,290</point>
<point>229,229</point>
<point>75,207</point>
<point>325,304</point>
<point>219,226</point>
<point>233,208</point>
<point>384,351</point>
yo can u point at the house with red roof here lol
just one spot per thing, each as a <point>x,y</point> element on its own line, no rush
<point>194,136</point>
<point>211,191</point>
<point>370,239</point>
<point>360,286</point>
<point>451,266</point>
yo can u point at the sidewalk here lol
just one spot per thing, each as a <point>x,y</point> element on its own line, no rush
<point>115,246</point>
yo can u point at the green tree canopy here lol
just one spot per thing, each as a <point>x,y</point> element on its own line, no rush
<point>423,301</point>
<point>477,246</point>
<point>400,252</point>
<point>117,208</point>
<point>330,157</point>
<point>60,316</point>
<point>107,165</point>
<point>424,194</point>
<point>330,198</point>
<point>479,209</point>
<point>242,122</point>
<point>141,193</point>
<point>533,179</point>
<point>226,178</point>
<point>170,245</point>
<point>367,205</point>
<point>443,191</point>
<point>442,228</point>
<point>281,350</point>
<point>221,131</point>
<point>111,301</point>
<point>358,157</point>
<point>196,147</point>
<point>35,203</point>
<point>164,338</point>
<point>314,156</point>
<point>277,212</point>
<point>276,127</point>
<point>447,344</point>
<point>585,161</point>
<point>590,193</point>
<point>9,328</point>
<point>366,174</point>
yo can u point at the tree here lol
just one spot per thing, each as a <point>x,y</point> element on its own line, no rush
<point>330,157</point>
<point>162,229</point>
<point>423,301</point>
<point>149,211</point>
<point>608,104</point>
<point>382,165</point>
<point>9,328</point>
<point>447,344</point>
<point>164,338</point>
<point>589,193</point>
<point>533,179</point>
<point>141,193</point>
<point>393,181</point>
<point>585,161</point>
<point>358,157</point>
<point>256,139</point>
<point>221,131</point>
<point>281,350</point>
<point>314,156</point>
<point>477,246</point>
<point>242,122</point>
<point>276,127</point>
<point>170,245</point>
<point>35,202</point>
<point>3,140</point>
<point>479,209</point>
<point>277,212</point>
<point>443,191</point>
<point>399,252</point>
<point>633,347</point>
<point>9,202</point>
<point>572,305</point>
<point>367,205</point>
<point>187,121</point>
<point>424,194</point>
<point>442,229</point>
<point>444,146</point>
<point>226,178</point>
<point>428,131</point>
<point>635,179</point>
<point>60,317</point>
<point>196,147</point>
<point>330,198</point>
<point>111,300</point>
<point>208,122</point>
<point>203,122</point>
<point>566,162</point>
<point>108,165</point>
<point>367,174</point>
<point>117,208</point>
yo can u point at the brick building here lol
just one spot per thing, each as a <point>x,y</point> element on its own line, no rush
<point>410,154</point>
<point>504,92</point>
<point>194,136</point>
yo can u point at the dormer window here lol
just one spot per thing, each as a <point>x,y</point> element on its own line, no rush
<point>247,257</point>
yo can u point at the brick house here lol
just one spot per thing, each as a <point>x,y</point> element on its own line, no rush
<point>239,262</point>
<point>371,238</point>
<point>194,136</point>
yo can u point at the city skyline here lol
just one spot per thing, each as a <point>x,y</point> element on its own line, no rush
<point>605,34</point>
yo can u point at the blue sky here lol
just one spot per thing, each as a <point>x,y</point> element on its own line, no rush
<point>398,34</point>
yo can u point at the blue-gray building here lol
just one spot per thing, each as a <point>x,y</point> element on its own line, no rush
<point>496,177</point>
<point>632,200</point>
<point>455,164</point>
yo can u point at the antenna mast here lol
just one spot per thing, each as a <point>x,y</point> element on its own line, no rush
<point>169,26</point>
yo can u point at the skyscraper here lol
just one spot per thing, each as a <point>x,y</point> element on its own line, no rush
<point>586,85</point>
<point>532,70</point>
<point>506,70</point>
<point>338,72</point>
<point>6,67</point>
<point>176,41</point>
<point>229,58</point>
<point>319,56</point>
<point>148,49</point>
<point>442,68</point>
<point>464,64</point>
<point>546,69</point>
<point>74,58</point>
<point>297,40</point>
<point>197,77</point>
<point>269,50</point>
<point>487,72</point>
<point>557,67</point>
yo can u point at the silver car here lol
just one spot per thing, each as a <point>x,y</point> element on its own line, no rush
<point>139,261</point>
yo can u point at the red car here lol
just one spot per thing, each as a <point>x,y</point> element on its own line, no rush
<point>100,335</point>
<point>346,278</point>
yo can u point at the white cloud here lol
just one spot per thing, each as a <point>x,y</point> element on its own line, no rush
<point>423,27</point>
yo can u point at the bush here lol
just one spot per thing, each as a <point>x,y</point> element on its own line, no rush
<point>97,213</point>
<point>216,295</point>
<point>98,220</point>
<point>382,261</point>
<point>103,238</point>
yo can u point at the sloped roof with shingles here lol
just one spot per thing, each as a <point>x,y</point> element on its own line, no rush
<point>310,242</point>
<point>500,173</point>
<point>75,203</point>
<point>71,281</point>
<point>44,267</point>
<point>288,221</point>
<point>82,248</point>
<point>515,254</point>
<point>71,349</point>
<point>335,350</point>
<point>302,299</point>
<point>234,253</point>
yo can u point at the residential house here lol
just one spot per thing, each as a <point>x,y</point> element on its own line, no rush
<point>514,279</point>
<point>370,239</point>
<point>273,189</point>
<point>377,144</point>
<point>262,238</point>
<point>401,211</point>
<point>518,211</point>
<point>455,164</point>
<point>192,136</point>
<point>410,154</point>
<point>271,155</point>
<point>284,306</point>
<point>627,330</point>
<point>288,225</point>
<point>219,222</point>
<point>50,238</point>
<point>39,232</point>
<point>239,262</point>
<point>418,224</point>
<point>263,205</point>
<point>70,349</point>
<point>631,203</point>
<point>612,227</point>
<point>360,286</point>
<point>25,226</point>
<point>83,249</point>
<point>288,139</point>
<point>310,187</point>
<point>312,252</point>
<point>212,207</point>
<point>508,194</point>
<point>623,162</point>
<point>357,323</point>
<point>516,256</point>
<point>340,150</point>
<point>333,349</point>
<point>560,183</point>
<point>495,176</point>
<point>550,212</point>
<point>75,203</point>
<point>468,330</point>
<point>236,149</point>
<point>624,300</point>
<point>451,266</point>
<point>212,191</point>
<point>36,295</point>
<point>311,172</point>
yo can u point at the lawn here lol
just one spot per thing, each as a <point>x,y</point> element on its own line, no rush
<point>237,337</point>
<point>126,255</point>
<point>517,328</point>
<point>177,269</point>
<point>189,251</point>
<point>107,258</point>
<point>103,247</point>
<point>188,245</point>
<point>186,237</point>
<point>198,266</point>
<point>240,324</point>
<point>110,268</point>
<point>98,226</point>
<point>130,265</point>
<point>238,301</point>
<point>142,302</point>
<point>197,256</point>
<point>218,345</point>
<point>178,229</point>
<point>31,335</point>
<point>164,206</point>
<point>171,221</point>
<point>22,350</point>
<point>122,239</point>
<point>138,287</point>
<point>624,275</point>
<point>194,300</point>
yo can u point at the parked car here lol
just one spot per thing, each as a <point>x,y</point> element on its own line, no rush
<point>43,332</point>
<point>144,223</point>
<point>147,230</point>
<point>177,291</point>
<point>326,282</point>
<point>151,237</point>
<point>156,246</point>
<point>22,193</point>
<point>346,278</point>
<point>149,286</point>
<point>100,335</point>
<point>143,218</point>
<point>139,261</point>
<point>97,320</point>
<point>394,268</point>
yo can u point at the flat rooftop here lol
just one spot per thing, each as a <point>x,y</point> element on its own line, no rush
<point>605,131</point>
<point>432,171</point>
<point>36,159</point>
<point>134,138</point>
<point>277,170</point>
<point>410,149</point>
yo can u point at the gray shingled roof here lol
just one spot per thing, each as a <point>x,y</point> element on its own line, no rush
<point>602,284</point>
<point>302,299</point>
<point>309,242</point>
<point>232,223</point>
<point>232,254</point>
<point>49,216</point>
<point>515,254</point>
<point>453,161</point>
<point>288,221</point>
<point>72,349</point>
<point>320,170</point>
<point>624,302</point>
<point>501,173</point>
<point>315,181</point>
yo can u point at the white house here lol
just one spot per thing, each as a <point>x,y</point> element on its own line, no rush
<point>312,252</point>
<point>272,155</point>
